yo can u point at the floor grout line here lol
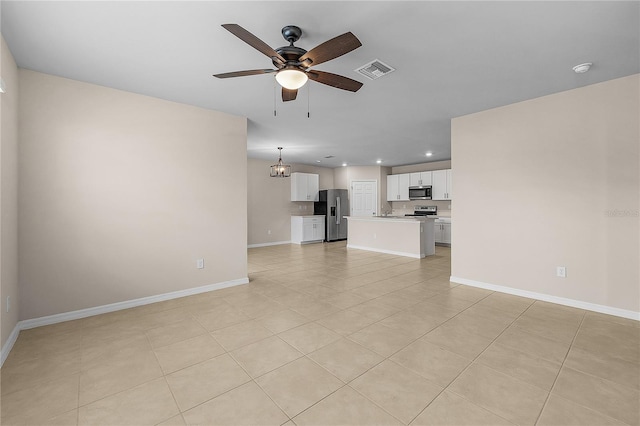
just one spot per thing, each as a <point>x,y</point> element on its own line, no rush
<point>472,362</point>
<point>560,369</point>
<point>363,274</point>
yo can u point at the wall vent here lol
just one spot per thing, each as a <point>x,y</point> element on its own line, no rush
<point>375,69</point>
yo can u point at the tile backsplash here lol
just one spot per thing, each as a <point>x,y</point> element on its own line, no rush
<point>301,208</point>
<point>400,208</point>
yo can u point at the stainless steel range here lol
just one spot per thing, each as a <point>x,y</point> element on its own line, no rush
<point>424,211</point>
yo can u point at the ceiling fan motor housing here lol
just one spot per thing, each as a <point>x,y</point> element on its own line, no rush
<point>291,33</point>
<point>291,54</point>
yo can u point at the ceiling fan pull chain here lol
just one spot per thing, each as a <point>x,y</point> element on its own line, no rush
<point>308,100</point>
<point>275,89</point>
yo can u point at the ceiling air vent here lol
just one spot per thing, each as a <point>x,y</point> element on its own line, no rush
<point>375,69</point>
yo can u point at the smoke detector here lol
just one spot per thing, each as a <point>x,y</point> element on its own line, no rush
<point>582,68</point>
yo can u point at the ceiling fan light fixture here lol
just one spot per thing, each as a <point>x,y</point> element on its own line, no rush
<point>280,169</point>
<point>291,79</point>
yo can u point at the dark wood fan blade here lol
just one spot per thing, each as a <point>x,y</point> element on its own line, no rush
<point>289,95</point>
<point>335,80</point>
<point>331,49</point>
<point>243,73</point>
<point>253,41</point>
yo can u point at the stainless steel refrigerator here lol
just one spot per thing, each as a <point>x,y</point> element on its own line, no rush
<point>334,204</point>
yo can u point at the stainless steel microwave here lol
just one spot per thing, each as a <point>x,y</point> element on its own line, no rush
<point>420,192</point>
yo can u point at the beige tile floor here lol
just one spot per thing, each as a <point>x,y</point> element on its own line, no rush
<point>328,335</point>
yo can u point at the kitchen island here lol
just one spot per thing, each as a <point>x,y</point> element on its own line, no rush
<point>403,236</point>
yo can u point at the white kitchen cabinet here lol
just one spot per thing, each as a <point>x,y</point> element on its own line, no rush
<point>307,229</point>
<point>392,187</point>
<point>442,228</point>
<point>398,187</point>
<point>420,179</point>
<point>305,186</point>
<point>441,188</point>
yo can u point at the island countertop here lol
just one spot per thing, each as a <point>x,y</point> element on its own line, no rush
<point>392,218</point>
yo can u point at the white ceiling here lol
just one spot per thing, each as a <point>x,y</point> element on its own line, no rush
<point>451,59</point>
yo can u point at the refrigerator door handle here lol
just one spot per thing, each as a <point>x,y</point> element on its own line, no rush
<point>338,210</point>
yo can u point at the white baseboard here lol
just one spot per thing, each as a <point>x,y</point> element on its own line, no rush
<point>377,250</point>
<point>603,309</point>
<point>275,243</point>
<point>6,348</point>
<point>97,310</point>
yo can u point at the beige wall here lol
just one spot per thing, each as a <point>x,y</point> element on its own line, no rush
<point>560,175</point>
<point>385,206</point>
<point>343,176</point>
<point>269,205</point>
<point>422,167</point>
<point>403,207</point>
<point>9,192</point>
<point>119,194</point>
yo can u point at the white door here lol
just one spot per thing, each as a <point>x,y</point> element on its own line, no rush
<point>364,196</point>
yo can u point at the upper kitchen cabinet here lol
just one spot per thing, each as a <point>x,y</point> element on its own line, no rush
<point>420,179</point>
<point>305,186</point>
<point>441,185</point>
<point>398,187</point>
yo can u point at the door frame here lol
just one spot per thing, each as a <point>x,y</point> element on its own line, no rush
<point>375,195</point>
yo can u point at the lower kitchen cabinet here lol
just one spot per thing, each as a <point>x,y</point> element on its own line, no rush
<point>307,229</point>
<point>443,231</point>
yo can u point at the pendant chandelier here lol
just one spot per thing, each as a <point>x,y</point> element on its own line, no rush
<point>280,170</point>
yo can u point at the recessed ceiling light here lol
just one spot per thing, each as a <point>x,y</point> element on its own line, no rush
<point>429,154</point>
<point>582,68</point>
<point>344,164</point>
<point>317,161</point>
<point>379,161</point>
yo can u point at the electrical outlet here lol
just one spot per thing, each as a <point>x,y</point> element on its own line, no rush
<point>200,263</point>
<point>268,231</point>
<point>561,271</point>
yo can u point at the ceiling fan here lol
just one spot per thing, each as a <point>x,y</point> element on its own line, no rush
<point>293,64</point>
